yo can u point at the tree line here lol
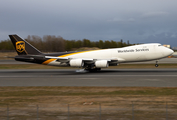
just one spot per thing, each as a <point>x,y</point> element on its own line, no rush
<point>51,43</point>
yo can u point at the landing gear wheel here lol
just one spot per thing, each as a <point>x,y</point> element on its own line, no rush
<point>156,65</point>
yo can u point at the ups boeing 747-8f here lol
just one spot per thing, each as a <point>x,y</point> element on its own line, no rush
<point>92,60</point>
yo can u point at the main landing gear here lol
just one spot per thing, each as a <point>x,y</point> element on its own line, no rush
<point>156,65</point>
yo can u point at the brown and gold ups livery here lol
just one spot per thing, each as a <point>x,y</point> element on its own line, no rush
<point>92,60</point>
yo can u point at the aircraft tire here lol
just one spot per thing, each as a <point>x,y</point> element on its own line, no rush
<point>156,65</point>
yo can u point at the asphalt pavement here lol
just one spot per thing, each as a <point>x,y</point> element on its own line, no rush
<point>107,77</point>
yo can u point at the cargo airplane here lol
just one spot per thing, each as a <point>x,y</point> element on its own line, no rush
<point>92,60</point>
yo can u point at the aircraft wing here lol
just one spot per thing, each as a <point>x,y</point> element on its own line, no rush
<point>66,59</point>
<point>85,60</point>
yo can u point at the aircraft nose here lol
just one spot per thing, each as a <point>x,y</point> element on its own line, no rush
<point>169,51</point>
<point>172,51</point>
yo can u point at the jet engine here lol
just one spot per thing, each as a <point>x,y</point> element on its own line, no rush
<point>101,64</point>
<point>76,63</point>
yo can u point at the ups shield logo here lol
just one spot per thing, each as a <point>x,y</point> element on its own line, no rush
<point>20,46</point>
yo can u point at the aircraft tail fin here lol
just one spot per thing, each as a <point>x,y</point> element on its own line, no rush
<point>23,47</point>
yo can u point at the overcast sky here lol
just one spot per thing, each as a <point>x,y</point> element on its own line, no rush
<point>139,21</point>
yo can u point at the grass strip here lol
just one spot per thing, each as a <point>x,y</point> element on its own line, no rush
<point>17,96</point>
<point>77,91</point>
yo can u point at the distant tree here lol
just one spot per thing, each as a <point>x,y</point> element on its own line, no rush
<point>68,45</point>
<point>53,43</point>
<point>93,44</point>
<point>6,45</point>
<point>113,44</point>
<point>107,44</point>
<point>86,43</point>
<point>78,44</point>
<point>49,43</point>
<point>36,41</point>
<point>101,44</point>
<point>128,42</point>
<point>121,42</point>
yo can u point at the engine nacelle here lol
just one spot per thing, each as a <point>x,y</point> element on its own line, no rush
<point>76,63</point>
<point>101,64</point>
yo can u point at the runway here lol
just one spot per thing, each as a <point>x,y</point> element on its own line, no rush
<point>107,77</point>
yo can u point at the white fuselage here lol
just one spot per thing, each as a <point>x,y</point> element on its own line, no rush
<point>136,53</point>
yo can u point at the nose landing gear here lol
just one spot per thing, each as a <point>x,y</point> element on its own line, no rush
<point>156,65</point>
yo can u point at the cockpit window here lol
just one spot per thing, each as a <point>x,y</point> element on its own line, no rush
<point>159,45</point>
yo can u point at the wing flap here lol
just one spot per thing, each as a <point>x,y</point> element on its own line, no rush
<point>86,60</point>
